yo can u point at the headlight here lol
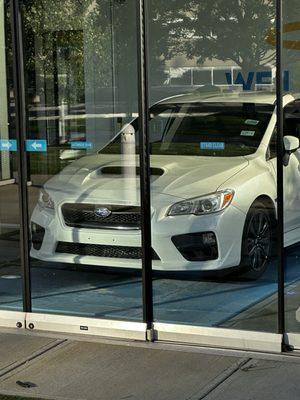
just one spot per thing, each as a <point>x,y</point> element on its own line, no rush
<point>45,200</point>
<point>207,204</point>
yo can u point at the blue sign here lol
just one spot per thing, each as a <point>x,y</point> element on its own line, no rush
<point>260,78</point>
<point>36,145</point>
<point>212,146</point>
<point>81,145</point>
<point>8,145</point>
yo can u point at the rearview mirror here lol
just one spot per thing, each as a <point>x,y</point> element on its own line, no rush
<point>291,144</point>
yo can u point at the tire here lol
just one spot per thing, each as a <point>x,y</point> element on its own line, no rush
<point>257,242</point>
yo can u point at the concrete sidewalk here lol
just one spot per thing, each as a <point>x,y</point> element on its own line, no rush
<point>56,367</point>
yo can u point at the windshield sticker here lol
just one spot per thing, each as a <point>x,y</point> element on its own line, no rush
<point>248,133</point>
<point>212,146</point>
<point>253,122</point>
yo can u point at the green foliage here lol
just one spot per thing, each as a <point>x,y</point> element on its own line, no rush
<point>226,30</point>
<point>95,37</point>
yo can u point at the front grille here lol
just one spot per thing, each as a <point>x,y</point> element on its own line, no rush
<point>98,250</point>
<point>85,216</point>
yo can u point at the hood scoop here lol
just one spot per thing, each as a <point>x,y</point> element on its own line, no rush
<point>123,170</point>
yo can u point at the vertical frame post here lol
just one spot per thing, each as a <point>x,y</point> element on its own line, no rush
<point>280,177</point>
<point>20,106</point>
<point>143,91</point>
<point>5,158</point>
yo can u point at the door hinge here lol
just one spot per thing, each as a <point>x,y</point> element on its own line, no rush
<point>151,335</point>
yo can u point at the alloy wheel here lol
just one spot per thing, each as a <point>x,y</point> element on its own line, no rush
<point>258,240</point>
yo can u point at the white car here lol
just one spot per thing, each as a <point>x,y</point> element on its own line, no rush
<point>213,185</point>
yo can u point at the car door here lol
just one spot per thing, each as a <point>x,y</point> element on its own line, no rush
<point>291,183</point>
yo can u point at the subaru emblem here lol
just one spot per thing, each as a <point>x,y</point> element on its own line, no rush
<point>102,212</point>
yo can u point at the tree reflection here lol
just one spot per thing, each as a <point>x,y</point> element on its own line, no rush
<point>224,30</point>
<point>221,31</point>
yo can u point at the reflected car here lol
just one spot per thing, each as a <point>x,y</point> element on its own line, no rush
<point>213,190</point>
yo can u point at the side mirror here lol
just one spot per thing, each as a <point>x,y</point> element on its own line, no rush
<point>291,144</point>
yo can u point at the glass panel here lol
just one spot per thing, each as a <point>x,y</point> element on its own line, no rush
<point>81,71</point>
<point>291,60</point>
<point>214,169</point>
<point>10,272</point>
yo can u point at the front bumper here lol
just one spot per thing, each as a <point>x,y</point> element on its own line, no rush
<point>227,227</point>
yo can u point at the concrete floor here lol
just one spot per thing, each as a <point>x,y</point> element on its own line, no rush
<point>260,380</point>
<point>69,368</point>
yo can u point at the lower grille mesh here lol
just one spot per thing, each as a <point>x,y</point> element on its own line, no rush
<point>98,250</point>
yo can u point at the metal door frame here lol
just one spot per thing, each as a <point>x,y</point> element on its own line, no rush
<point>219,337</point>
<point>67,323</point>
<point>12,319</point>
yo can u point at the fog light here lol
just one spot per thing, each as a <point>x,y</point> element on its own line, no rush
<point>37,236</point>
<point>200,246</point>
<point>209,239</point>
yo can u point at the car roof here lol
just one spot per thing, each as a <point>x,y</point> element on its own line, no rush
<point>262,97</point>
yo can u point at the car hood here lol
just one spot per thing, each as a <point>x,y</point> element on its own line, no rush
<point>100,176</point>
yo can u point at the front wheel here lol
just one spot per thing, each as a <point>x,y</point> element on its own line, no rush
<point>257,241</point>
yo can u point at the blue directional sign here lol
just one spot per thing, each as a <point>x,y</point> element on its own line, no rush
<point>36,145</point>
<point>81,145</point>
<point>212,146</point>
<point>8,145</point>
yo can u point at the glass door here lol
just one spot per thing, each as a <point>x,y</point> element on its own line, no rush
<point>211,87</point>
<point>83,160</point>
<point>214,186</point>
<point>10,255</point>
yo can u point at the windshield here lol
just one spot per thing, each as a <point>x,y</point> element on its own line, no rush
<point>203,129</point>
